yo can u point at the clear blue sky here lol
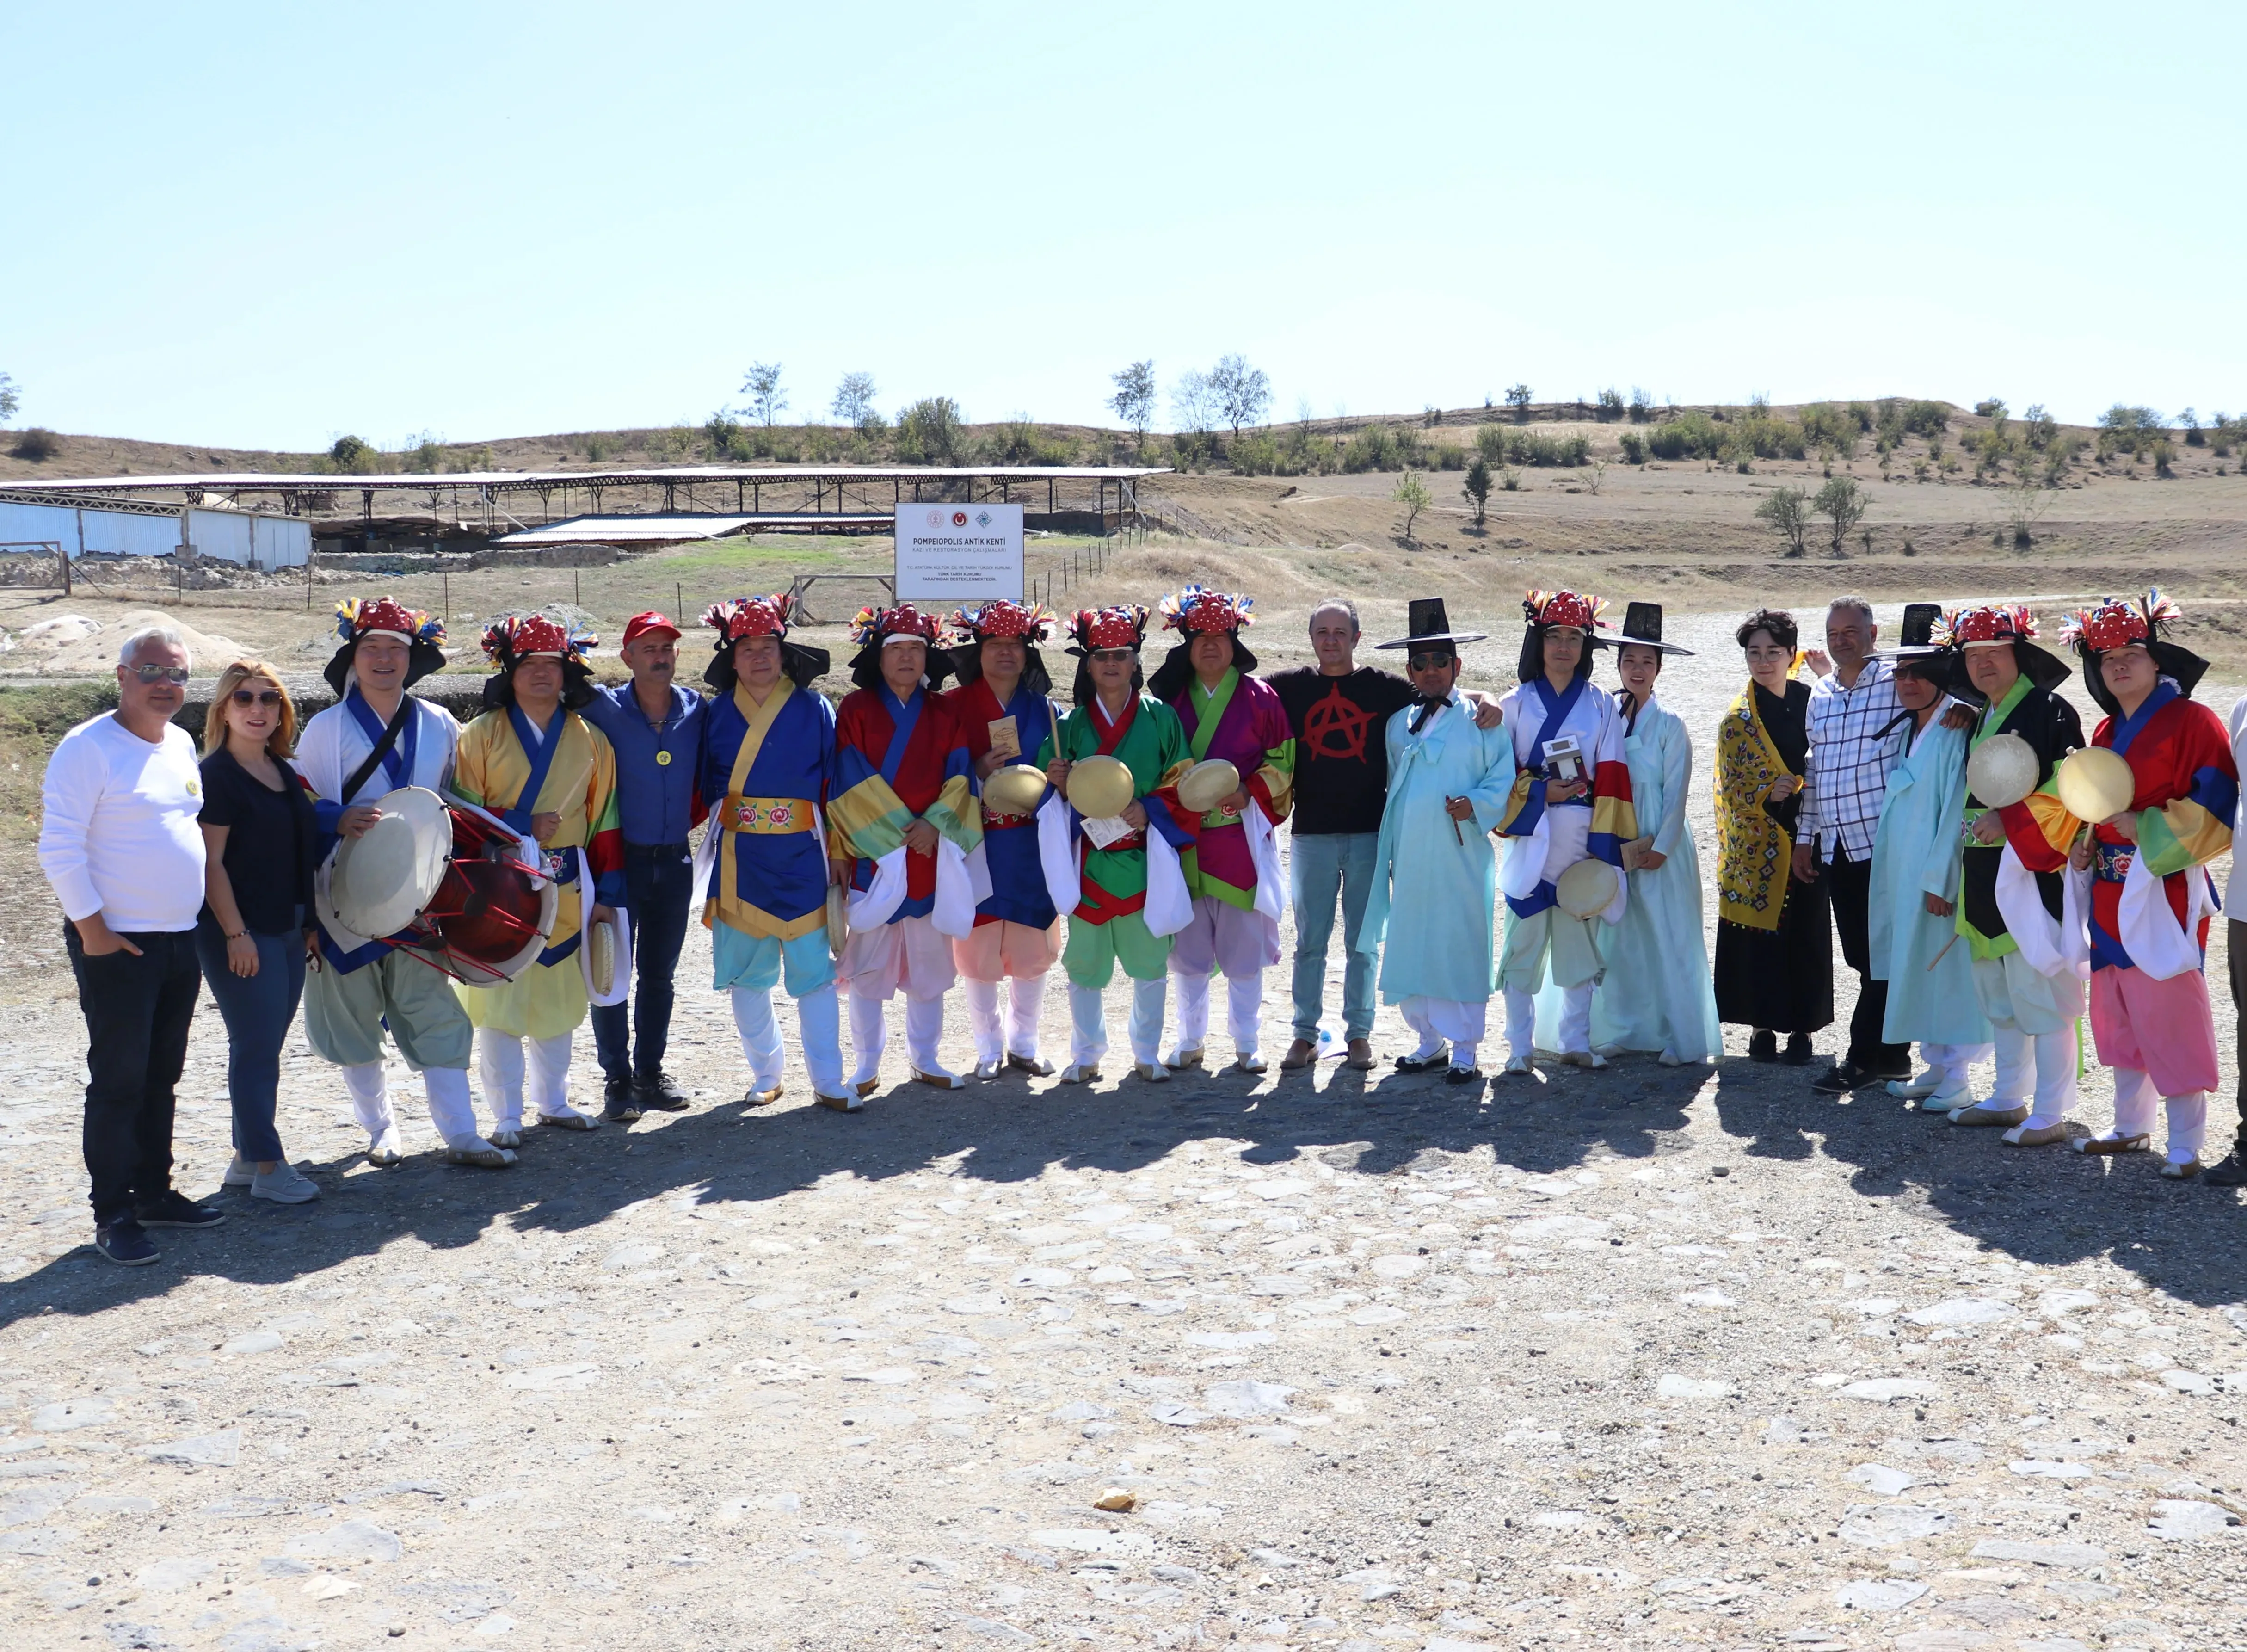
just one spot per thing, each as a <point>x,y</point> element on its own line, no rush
<point>270,224</point>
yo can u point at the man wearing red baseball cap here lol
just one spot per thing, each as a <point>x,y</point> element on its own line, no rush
<point>656,729</point>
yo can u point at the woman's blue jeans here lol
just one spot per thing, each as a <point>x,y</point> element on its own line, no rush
<point>258,1011</point>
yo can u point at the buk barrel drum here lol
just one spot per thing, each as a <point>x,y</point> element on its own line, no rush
<point>444,879</point>
<point>2002,770</point>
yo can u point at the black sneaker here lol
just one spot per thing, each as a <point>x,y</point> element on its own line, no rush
<point>1798,1052</point>
<point>1841,1078</point>
<point>176,1209</point>
<point>1424,1063</point>
<point>620,1102</point>
<point>1463,1075</point>
<point>660,1094</point>
<point>124,1242</point>
<point>2231,1172</point>
<point>1763,1046</point>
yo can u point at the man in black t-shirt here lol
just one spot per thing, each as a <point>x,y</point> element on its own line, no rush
<point>1340,712</point>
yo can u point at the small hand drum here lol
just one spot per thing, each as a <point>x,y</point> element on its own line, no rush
<point>2002,770</point>
<point>1100,788</point>
<point>1016,788</point>
<point>601,957</point>
<point>838,918</point>
<point>1207,784</point>
<point>1586,889</point>
<point>2096,784</point>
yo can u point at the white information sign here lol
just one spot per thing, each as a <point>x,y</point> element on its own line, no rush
<point>959,553</point>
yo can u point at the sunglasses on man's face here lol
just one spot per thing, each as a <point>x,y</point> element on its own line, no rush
<point>1430,662</point>
<point>175,674</point>
<point>1112,656</point>
<point>262,697</point>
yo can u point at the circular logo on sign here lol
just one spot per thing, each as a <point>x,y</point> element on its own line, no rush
<point>959,519</point>
<point>936,519</point>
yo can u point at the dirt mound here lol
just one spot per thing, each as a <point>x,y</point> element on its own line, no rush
<point>70,643</point>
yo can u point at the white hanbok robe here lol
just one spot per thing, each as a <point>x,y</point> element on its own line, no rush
<point>1916,854</point>
<point>1435,890</point>
<point>1656,994</point>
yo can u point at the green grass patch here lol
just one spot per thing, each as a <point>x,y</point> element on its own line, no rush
<point>31,721</point>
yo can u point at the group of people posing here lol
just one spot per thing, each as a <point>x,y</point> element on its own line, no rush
<point>915,837</point>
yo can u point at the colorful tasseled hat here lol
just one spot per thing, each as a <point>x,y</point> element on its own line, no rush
<point>2118,622</point>
<point>875,629</point>
<point>1198,609</point>
<point>742,616</point>
<point>513,639</point>
<point>1119,625</point>
<point>1032,622</point>
<point>357,618</point>
<point>1547,608</point>
<point>1986,626</point>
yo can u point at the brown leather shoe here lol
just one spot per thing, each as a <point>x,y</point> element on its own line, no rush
<point>1985,1114</point>
<point>1301,1054</point>
<point>2183,1172</point>
<point>1361,1055</point>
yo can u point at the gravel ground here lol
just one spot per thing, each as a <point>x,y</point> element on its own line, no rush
<point>1644,1358</point>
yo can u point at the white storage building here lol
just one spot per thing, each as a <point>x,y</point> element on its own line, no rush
<point>130,528</point>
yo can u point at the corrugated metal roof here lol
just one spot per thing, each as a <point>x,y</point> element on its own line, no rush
<point>515,481</point>
<point>619,530</point>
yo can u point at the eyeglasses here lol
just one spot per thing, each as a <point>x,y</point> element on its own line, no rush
<point>1111,655</point>
<point>1428,662</point>
<point>175,674</point>
<point>262,697</point>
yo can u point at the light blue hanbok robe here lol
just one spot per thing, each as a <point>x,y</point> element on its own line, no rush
<point>1435,890</point>
<point>1915,850</point>
<point>1656,992</point>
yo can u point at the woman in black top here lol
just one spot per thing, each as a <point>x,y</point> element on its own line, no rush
<point>1774,969</point>
<point>255,931</point>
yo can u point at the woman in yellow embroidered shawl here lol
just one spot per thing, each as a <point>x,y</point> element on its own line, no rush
<point>1774,955</point>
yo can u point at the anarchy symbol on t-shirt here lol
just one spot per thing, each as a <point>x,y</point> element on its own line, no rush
<point>1335,727</point>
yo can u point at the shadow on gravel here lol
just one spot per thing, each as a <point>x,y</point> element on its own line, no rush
<point>2048,1205</point>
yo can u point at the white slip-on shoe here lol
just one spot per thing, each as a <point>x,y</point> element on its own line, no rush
<point>1156,1073</point>
<point>1916,1089</point>
<point>1182,1057</point>
<point>385,1151</point>
<point>1518,1067</point>
<point>1250,1061</point>
<point>570,1119</point>
<point>503,1136</point>
<point>284,1185</point>
<point>475,1149</point>
<point>937,1077</point>
<point>852,1102</point>
<point>986,1071</point>
<point>1036,1066</point>
<point>1080,1073</point>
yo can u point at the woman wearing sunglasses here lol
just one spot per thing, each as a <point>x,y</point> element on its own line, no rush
<point>255,929</point>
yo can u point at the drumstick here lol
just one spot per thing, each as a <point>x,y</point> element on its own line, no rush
<point>1947,945</point>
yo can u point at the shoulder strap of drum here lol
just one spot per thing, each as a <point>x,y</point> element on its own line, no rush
<point>374,759</point>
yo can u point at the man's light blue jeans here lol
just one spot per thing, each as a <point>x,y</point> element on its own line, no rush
<point>1320,866</point>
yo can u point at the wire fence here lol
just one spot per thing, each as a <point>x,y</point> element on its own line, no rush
<point>605,590</point>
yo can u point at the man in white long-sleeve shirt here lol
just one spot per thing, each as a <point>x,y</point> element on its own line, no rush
<point>121,842</point>
<point>366,986</point>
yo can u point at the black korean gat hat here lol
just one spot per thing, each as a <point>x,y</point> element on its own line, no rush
<point>1425,621</point>
<point>1641,626</point>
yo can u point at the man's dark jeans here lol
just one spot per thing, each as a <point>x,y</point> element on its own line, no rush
<point>136,1011</point>
<point>1852,884</point>
<point>658,881</point>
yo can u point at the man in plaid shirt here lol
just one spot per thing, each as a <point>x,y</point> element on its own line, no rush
<point>1854,740</point>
